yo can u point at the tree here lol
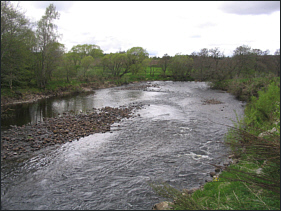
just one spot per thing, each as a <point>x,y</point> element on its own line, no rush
<point>81,51</point>
<point>54,55</point>
<point>75,58</point>
<point>202,63</point>
<point>114,63</point>
<point>164,62</point>
<point>17,41</point>
<point>216,55</point>
<point>135,57</point>
<point>47,42</point>
<point>245,60</point>
<point>86,63</point>
<point>259,61</point>
<point>181,66</point>
<point>67,68</point>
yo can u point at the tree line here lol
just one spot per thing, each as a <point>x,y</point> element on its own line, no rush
<point>31,56</point>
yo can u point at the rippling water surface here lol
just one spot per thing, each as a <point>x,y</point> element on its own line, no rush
<point>174,140</point>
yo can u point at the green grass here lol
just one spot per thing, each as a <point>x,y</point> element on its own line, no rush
<point>262,111</point>
<point>237,195</point>
<point>225,193</point>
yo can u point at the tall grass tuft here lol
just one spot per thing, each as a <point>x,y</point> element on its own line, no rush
<point>262,155</point>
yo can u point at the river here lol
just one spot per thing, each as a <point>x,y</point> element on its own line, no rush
<point>174,139</point>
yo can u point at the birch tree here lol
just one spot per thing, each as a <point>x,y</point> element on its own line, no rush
<point>47,36</point>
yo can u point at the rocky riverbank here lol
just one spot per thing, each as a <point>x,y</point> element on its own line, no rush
<point>58,130</point>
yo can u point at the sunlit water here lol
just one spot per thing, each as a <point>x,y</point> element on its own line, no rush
<point>174,140</point>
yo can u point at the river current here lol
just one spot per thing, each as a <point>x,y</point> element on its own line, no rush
<point>174,139</point>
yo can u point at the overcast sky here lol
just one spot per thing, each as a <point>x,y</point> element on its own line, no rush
<point>165,27</point>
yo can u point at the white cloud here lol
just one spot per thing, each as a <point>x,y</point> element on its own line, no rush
<point>163,27</point>
<point>250,7</point>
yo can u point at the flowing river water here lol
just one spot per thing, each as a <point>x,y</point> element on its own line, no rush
<point>174,139</point>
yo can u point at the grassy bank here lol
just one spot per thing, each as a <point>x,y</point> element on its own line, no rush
<point>253,183</point>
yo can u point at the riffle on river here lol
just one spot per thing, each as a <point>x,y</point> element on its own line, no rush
<point>174,139</point>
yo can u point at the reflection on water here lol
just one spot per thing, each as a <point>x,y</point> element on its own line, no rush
<point>27,113</point>
<point>31,113</point>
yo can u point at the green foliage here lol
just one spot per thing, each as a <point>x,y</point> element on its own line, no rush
<point>137,55</point>
<point>17,39</point>
<point>262,111</point>
<point>114,64</point>
<point>245,88</point>
<point>81,51</point>
<point>66,69</point>
<point>181,66</point>
<point>135,59</point>
<point>87,62</point>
